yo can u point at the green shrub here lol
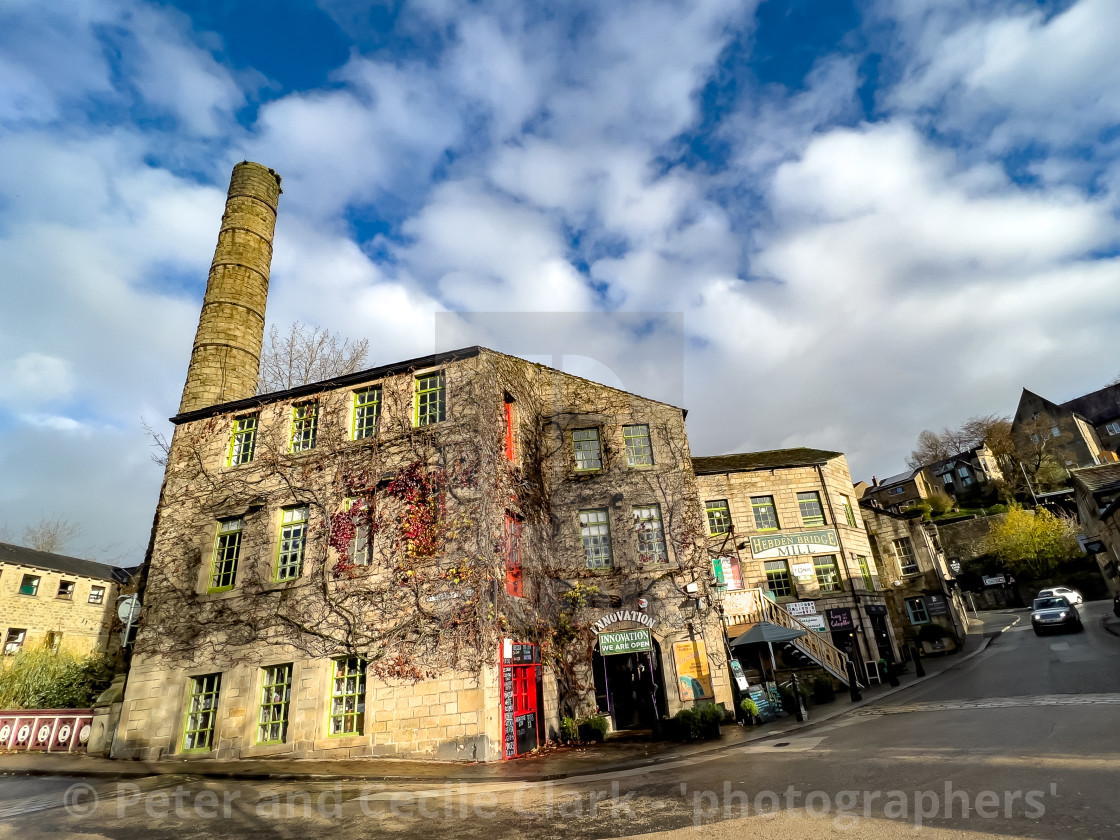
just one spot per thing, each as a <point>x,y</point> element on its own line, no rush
<point>823,689</point>
<point>711,716</point>
<point>594,728</point>
<point>40,678</point>
<point>569,729</point>
<point>690,725</point>
<point>940,504</point>
<point>749,707</point>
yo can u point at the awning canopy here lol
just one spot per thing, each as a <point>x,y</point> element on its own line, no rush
<point>764,631</point>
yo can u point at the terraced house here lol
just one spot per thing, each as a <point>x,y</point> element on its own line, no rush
<point>437,557</point>
<point>789,546</point>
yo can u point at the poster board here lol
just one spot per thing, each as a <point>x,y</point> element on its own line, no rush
<point>694,678</point>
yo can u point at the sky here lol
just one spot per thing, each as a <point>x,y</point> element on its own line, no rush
<point>845,221</point>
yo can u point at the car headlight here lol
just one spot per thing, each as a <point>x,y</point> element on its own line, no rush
<point>1034,616</point>
<point>1062,614</point>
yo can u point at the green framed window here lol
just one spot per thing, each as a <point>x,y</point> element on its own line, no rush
<point>778,579</point>
<point>639,451</point>
<point>293,540</point>
<point>904,552</point>
<point>202,711</point>
<point>765,514</point>
<point>431,399</point>
<point>243,440</point>
<point>276,695</point>
<point>367,408</point>
<point>305,423</point>
<point>587,449</point>
<point>651,535</point>
<point>811,511</point>
<point>828,573</point>
<point>595,533</point>
<point>916,608</point>
<point>849,511</point>
<point>719,517</point>
<point>865,573</point>
<point>29,585</point>
<point>227,548</point>
<point>348,696</point>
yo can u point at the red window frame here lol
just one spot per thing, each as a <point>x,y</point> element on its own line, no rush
<point>508,408</point>
<point>514,582</point>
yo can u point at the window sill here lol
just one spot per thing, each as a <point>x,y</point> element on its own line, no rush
<point>278,585</point>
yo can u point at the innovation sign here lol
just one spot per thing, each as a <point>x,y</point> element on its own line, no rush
<point>791,545</point>
<point>624,641</point>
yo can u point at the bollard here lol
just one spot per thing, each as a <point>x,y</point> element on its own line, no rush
<point>853,683</point>
<point>892,674</point>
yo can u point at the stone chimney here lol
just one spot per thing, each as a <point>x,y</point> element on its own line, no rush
<point>226,356</point>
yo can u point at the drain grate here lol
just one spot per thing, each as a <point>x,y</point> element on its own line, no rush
<point>781,744</point>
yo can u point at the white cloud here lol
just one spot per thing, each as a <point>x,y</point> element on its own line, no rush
<point>35,378</point>
<point>1023,75</point>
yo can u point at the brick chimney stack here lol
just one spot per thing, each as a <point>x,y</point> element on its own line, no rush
<point>226,357</point>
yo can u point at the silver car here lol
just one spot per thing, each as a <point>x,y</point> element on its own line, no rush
<point>1053,613</point>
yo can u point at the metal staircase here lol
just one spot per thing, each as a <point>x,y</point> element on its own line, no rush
<point>822,653</point>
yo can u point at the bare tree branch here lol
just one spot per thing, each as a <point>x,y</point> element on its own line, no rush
<point>306,354</point>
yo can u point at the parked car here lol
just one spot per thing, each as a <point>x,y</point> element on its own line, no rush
<point>1051,613</point>
<point>1072,595</point>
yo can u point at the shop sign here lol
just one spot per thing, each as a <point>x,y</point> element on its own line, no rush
<point>800,608</point>
<point>803,571</point>
<point>694,679</point>
<point>791,545</point>
<point>814,622</point>
<point>761,698</point>
<point>993,580</point>
<point>740,677</point>
<point>840,619</point>
<point>936,605</point>
<point>624,641</point>
<point>622,615</point>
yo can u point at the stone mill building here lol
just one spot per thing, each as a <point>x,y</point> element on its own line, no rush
<point>437,557</point>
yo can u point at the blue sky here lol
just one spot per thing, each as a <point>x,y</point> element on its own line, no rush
<point>872,217</point>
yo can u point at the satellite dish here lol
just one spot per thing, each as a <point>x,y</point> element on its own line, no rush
<point>128,610</point>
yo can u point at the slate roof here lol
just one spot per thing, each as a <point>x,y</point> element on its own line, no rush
<point>771,459</point>
<point>1097,407</point>
<point>1100,479</point>
<point>894,479</point>
<point>21,556</point>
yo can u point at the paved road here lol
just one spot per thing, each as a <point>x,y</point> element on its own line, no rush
<point>1019,741</point>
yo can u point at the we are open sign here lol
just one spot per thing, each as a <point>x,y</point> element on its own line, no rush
<point>624,641</point>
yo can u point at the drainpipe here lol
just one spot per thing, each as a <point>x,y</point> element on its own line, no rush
<point>844,558</point>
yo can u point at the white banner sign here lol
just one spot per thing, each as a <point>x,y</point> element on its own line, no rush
<point>802,570</point>
<point>800,608</point>
<point>813,622</point>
